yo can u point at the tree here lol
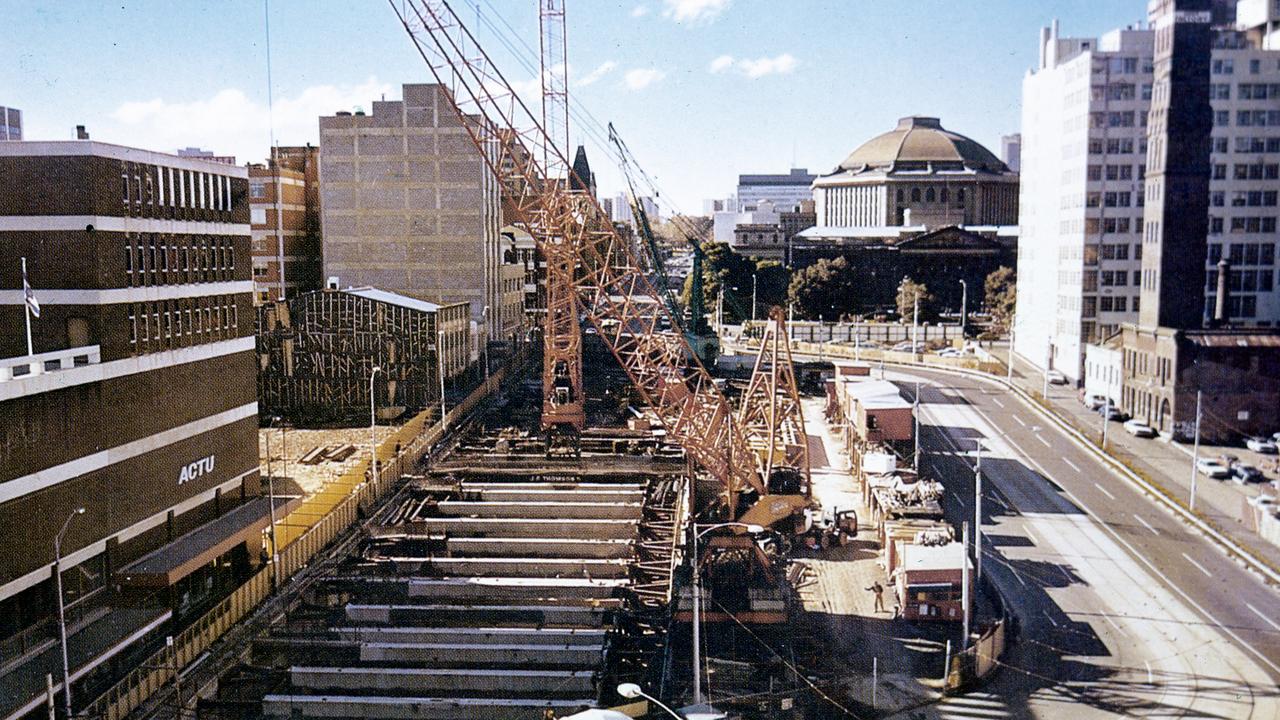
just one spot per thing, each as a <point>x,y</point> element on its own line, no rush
<point>724,268</point>
<point>911,295</point>
<point>822,291</point>
<point>1000,297</point>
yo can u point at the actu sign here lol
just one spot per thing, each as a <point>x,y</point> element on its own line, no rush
<point>196,469</point>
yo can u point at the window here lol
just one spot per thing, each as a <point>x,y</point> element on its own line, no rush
<point>258,216</point>
<point>257,189</point>
<point>915,194</point>
<point>930,196</point>
<point>1222,118</point>
<point>1223,66</point>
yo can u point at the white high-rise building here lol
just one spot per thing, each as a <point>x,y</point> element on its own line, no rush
<point>1083,168</point>
<point>10,123</point>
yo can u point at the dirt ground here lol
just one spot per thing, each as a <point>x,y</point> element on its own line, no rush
<point>292,476</point>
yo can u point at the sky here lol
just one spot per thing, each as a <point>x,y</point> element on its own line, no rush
<point>701,90</point>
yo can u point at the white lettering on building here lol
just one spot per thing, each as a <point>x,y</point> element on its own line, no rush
<point>196,469</point>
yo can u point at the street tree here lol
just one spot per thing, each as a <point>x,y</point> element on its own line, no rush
<point>909,292</point>
<point>823,291</point>
<point>1000,297</point>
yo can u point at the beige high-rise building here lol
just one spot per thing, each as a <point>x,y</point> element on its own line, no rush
<point>409,205</point>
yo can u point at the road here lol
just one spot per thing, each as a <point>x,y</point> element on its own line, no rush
<point>1122,609</point>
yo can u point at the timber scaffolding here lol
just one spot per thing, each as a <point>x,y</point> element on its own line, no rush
<point>492,592</point>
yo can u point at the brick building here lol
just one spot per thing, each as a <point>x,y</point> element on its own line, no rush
<point>284,211</point>
<point>138,405</point>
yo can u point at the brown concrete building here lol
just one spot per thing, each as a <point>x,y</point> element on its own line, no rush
<point>410,206</point>
<point>284,211</point>
<point>138,404</point>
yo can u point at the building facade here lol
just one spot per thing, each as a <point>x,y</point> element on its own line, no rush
<point>10,123</point>
<point>409,205</point>
<point>1085,155</point>
<point>284,211</point>
<point>783,192</point>
<point>138,404</point>
<point>1011,151</point>
<point>919,173</point>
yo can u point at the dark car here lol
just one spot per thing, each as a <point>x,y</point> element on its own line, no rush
<point>1242,473</point>
<point>1111,412</point>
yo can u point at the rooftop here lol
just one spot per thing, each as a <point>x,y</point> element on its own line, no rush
<point>874,394</point>
<point>391,298</point>
<point>934,557</point>
<point>921,143</point>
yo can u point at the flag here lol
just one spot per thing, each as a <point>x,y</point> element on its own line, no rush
<point>33,305</point>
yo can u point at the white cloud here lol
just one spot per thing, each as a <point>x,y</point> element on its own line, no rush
<point>596,75</point>
<point>780,65</point>
<point>639,11</point>
<point>230,123</point>
<point>641,78</point>
<point>694,11</point>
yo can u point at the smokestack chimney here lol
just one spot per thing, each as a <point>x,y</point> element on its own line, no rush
<point>1220,303</point>
<point>81,133</point>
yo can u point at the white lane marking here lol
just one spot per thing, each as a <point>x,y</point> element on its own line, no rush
<point>1113,623</point>
<point>1048,617</point>
<point>1133,552</point>
<point>1146,525</point>
<point>1018,420</point>
<point>1150,679</point>
<point>1073,465</point>
<point>1104,491</point>
<point>997,402</point>
<point>1046,442</point>
<point>1027,529</point>
<point>1198,565</point>
<point>1268,620</point>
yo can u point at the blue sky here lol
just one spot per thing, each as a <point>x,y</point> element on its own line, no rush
<point>701,90</point>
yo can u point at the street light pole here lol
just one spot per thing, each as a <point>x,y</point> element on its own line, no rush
<point>1195,455</point>
<point>440,371</point>
<point>271,508</point>
<point>753,297</point>
<point>1106,418</point>
<point>62,612</point>
<point>373,428</point>
<point>1013,320</point>
<point>915,416</point>
<point>1048,360</point>
<point>484,338</point>
<point>632,691</point>
<point>977,513</point>
<point>964,306</point>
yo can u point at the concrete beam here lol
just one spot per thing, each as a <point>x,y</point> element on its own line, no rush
<point>419,708</point>
<point>545,494</point>
<point>477,615</point>
<point>511,566</point>
<point>606,529</point>
<point>494,588</point>
<point>558,510</point>
<point>482,655</point>
<point>474,635</point>
<point>552,547</point>
<point>435,681</point>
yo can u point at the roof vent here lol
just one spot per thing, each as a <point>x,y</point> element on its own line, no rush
<point>343,113</point>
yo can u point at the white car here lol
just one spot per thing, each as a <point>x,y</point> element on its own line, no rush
<point>1056,378</point>
<point>1210,467</point>
<point>1095,402</point>
<point>1137,428</point>
<point>950,352</point>
<point>1262,445</point>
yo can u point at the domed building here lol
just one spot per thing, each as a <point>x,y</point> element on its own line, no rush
<point>918,174</point>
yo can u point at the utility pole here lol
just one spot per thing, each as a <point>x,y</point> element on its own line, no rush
<point>915,324</point>
<point>977,512</point>
<point>1012,329</point>
<point>915,416</point>
<point>1106,418</point>
<point>440,371</point>
<point>1195,455</point>
<point>1048,360</point>
<point>753,297</point>
<point>373,430</point>
<point>62,612</point>
<point>964,582</point>
<point>964,306</point>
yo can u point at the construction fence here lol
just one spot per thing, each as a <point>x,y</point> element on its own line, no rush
<point>301,535</point>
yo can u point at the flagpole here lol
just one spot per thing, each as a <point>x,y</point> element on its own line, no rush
<point>26,306</point>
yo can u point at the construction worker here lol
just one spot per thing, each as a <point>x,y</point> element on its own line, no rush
<point>878,589</point>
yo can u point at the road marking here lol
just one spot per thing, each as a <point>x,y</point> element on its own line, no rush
<point>1268,620</point>
<point>1146,525</point>
<point>1073,465</point>
<point>1198,565</point>
<point>1027,529</point>
<point>1104,491</point>
<point>1150,679</point>
<point>1113,624</point>
<point>997,402</point>
<point>1018,420</point>
<point>1055,622</point>
<point>1046,442</point>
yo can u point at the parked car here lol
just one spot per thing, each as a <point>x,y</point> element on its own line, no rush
<point>1275,437</point>
<point>1113,413</point>
<point>1260,444</point>
<point>1210,467</point>
<point>906,347</point>
<point>950,353</point>
<point>1244,473</point>
<point>1056,378</point>
<point>1094,402</point>
<point>1137,428</point>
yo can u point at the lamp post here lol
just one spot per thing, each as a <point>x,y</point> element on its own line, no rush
<point>697,599</point>
<point>753,297</point>
<point>271,507</point>
<point>373,428</point>
<point>1013,321</point>
<point>440,371</point>
<point>964,306</point>
<point>484,338</point>
<point>62,612</point>
<point>632,691</point>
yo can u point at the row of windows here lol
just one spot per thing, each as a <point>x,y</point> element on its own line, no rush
<point>153,185</point>
<point>1248,144</point>
<point>1244,198</point>
<point>1117,146</point>
<point>1244,253</point>
<point>170,324</point>
<point>1117,119</point>
<point>1090,305</point>
<point>1089,279</point>
<point>929,195</point>
<point>1243,280</point>
<point>1227,66</point>
<point>1243,225</point>
<point>155,259</point>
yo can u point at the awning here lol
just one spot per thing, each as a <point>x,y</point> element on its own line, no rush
<point>170,563</point>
